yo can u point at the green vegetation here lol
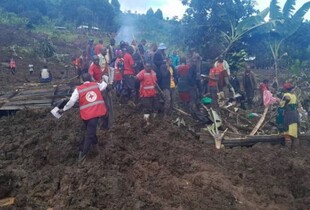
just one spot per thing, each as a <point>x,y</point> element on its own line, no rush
<point>9,18</point>
<point>213,27</point>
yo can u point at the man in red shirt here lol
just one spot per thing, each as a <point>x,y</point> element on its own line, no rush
<point>98,47</point>
<point>129,82</point>
<point>95,70</point>
<point>147,78</point>
<point>213,77</point>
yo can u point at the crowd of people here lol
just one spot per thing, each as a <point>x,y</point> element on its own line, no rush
<point>147,75</point>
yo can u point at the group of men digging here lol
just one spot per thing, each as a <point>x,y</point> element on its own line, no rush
<point>129,69</point>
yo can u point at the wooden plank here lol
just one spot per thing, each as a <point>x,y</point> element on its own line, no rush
<point>42,101</point>
<point>33,97</point>
<point>21,107</point>
<point>7,201</point>
<point>9,108</point>
<point>37,92</point>
<point>245,141</point>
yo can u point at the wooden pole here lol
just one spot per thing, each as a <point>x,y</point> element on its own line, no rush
<point>260,122</point>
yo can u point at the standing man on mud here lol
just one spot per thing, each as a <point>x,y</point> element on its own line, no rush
<point>147,79</point>
<point>111,51</point>
<point>249,86</point>
<point>92,107</point>
<point>129,91</point>
<point>103,61</point>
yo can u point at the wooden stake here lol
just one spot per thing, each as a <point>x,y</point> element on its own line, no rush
<point>181,111</point>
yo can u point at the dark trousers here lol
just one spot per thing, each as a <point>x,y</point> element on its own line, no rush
<point>90,136</point>
<point>129,87</point>
<point>213,94</point>
<point>106,121</point>
<point>149,104</point>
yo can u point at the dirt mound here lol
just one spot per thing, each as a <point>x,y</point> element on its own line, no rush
<point>157,167</point>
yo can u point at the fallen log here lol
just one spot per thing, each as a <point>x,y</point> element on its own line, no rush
<point>181,111</point>
<point>244,141</point>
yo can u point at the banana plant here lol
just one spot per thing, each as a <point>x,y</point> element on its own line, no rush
<point>239,29</point>
<point>284,24</point>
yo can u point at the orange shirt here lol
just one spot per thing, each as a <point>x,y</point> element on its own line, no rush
<point>98,48</point>
<point>214,72</point>
<point>220,66</point>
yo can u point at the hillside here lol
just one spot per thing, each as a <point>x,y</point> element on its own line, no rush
<point>159,167</point>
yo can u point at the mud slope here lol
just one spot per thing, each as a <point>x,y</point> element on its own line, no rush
<point>161,167</point>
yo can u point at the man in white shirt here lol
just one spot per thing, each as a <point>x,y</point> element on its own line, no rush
<point>45,75</point>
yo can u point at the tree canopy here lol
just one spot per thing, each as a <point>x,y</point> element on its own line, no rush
<point>213,27</point>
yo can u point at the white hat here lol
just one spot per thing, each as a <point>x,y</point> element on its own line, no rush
<point>162,46</point>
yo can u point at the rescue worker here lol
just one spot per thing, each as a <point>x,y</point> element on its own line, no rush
<point>92,106</point>
<point>147,78</point>
<point>97,76</point>
<point>95,69</point>
<point>288,117</point>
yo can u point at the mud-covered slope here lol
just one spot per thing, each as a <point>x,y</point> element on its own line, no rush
<point>158,167</point>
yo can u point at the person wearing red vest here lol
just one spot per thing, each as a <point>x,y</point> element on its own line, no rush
<point>92,107</point>
<point>147,78</point>
<point>13,66</point>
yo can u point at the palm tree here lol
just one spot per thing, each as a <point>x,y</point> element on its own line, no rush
<point>285,24</point>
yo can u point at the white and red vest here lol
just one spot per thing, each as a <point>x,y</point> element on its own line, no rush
<point>91,101</point>
<point>147,83</point>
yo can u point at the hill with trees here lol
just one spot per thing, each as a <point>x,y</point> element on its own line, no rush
<point>208,26</point>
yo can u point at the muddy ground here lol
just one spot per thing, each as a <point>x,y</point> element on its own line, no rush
<point>159,167</point>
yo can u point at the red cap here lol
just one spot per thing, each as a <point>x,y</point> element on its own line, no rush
<point>288,86</point>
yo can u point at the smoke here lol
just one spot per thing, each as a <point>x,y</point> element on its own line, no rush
<point>127,30</point>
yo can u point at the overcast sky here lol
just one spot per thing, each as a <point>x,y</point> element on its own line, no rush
<point>173,8</point>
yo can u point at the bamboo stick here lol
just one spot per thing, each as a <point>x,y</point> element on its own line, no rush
<point>260,122</point>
